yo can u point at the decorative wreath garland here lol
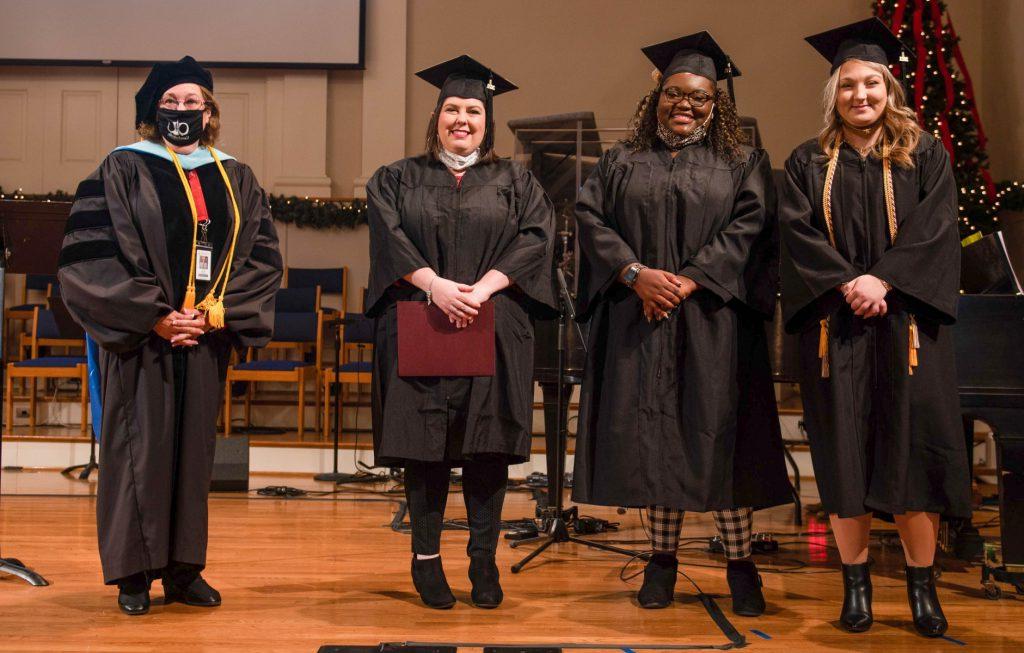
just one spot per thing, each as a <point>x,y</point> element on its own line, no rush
<point>303,212</point>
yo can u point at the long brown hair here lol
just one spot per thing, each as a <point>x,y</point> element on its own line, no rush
<point>900,129</point>
<point>148,131</point>
<point>724,136</point>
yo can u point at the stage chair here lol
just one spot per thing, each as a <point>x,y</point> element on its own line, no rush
<point>40,283</point>
<point>297,325</point>
<point>332,281</point>
<point>44,325</point>
<point>357,341</point>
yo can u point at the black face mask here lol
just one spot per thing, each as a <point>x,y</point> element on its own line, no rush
<point>180,127</point>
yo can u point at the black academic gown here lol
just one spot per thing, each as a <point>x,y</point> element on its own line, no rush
<point>881,439</point>
<point>498,218</point>
<point>679,412</point>
<point>123,266</point>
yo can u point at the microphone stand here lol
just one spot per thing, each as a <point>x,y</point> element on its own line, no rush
<point>335,476</point>
<point>555,515</point>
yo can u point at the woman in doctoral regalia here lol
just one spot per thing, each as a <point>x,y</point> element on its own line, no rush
<point>170,258</point>
<point>870,273</point>
<point>677,411</point>
<point>457,226</point>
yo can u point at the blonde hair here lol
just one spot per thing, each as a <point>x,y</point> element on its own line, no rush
<point>900,131</point>
<point>148,131</point>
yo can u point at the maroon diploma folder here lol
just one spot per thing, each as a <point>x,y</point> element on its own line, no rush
<point>430,345</point>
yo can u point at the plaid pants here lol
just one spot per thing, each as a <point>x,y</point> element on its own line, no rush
<point>735,527</point>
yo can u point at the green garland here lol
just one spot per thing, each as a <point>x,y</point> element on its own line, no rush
<point>1010,195</point>
<point>302,212</point>
<point>307,213</point>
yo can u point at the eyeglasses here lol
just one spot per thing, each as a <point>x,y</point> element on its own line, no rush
<point>190,104</point>
<point>696,99</point>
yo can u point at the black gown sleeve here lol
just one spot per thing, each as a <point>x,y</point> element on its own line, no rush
<point>256,271</point>
<point>106,278</point>
<point>527,260</point>
<point>392,254</point>
<point>811,268</point>
<point>603,252</point>
<point>721,265</point>
<point>924,261</point>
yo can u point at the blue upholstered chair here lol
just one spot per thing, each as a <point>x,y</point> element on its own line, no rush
<point>356,363</point>
<point>331,281</point>
<point>298,327</point>
<point>44,326</point>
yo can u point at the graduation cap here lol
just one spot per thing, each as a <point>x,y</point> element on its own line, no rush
<point>866,40</point>
<point>465,77</point>
<point>698,54</point>
<point>162,77</point>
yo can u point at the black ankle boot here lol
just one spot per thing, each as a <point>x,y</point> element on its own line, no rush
<point>924,602</point>
<point>428,578</point>
<point>659,581</point>
<point>745,586</point>
<point>856,616</point>
<point>483,573</point>
<point>133,594</point>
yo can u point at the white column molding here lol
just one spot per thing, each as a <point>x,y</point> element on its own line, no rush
<point>296,133</point>
<point>384,83</point>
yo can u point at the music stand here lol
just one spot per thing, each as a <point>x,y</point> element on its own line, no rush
<point>31,234</point>
<point>334,476</point>
<point>70,330</point>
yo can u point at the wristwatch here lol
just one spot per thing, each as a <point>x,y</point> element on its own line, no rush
<point>632,274</point>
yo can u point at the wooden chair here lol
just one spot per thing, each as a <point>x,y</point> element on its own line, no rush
<point>25,339</point>
<point>22,312</point>
<point>46,367</point>
<point>331,281</point>
<point>297,324</point>
<point>356,363</point>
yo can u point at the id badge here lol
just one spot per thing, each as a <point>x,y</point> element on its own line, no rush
<point>204,262</point>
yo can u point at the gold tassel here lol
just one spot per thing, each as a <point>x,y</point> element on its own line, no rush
<point>823,348</point>
<point>215,314</point>
<point>190,299</point>
<point>915,344</point>
<point>207,302</point>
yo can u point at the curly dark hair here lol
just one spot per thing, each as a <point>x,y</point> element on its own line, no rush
<point>725,136</point>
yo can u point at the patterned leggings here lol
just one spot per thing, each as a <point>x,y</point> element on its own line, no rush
<point>735,527</point>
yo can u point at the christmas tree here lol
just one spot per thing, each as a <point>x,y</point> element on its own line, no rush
<point>940,91</point>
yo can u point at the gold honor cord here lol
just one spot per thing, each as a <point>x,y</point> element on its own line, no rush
<point>890,209</point>
<point>212,305</point>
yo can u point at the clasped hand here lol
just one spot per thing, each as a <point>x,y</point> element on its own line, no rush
<point>866,296</point>
<point>662,291</point>
<point>182,329</point>
<point>458,301</point>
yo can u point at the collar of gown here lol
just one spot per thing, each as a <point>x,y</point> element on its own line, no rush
<point>200,157</point>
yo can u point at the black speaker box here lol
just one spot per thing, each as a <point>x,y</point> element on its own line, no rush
<point>231,465</point>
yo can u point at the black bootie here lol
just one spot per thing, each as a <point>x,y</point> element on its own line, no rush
<point>924,602</point>
<point>745,587</point>
<point>428,577</point>
<point>856,616</point>
<point>483,573</point>
<point>659,581</point>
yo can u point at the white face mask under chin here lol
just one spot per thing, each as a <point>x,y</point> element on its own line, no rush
<point>457,161</point>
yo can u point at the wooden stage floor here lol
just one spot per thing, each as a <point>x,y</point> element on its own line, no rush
<point>299,573</point>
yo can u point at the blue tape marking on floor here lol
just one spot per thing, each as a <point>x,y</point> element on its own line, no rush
<point>761,634</point>
<point>955,641</point>
<point>628,650</point>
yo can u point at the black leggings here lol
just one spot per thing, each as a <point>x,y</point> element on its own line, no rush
<point>483,487</point>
